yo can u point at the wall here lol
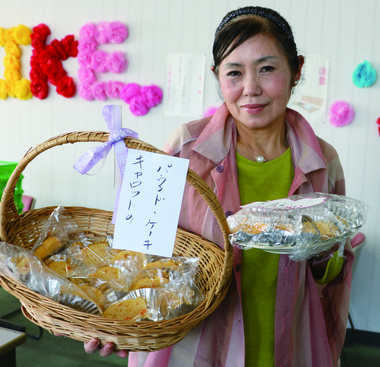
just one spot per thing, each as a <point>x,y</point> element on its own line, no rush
<point>347,32</point>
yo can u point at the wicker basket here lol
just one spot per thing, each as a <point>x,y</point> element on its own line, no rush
<point>213,276</point>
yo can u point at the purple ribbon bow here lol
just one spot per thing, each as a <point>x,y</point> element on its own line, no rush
<point>112,115</point>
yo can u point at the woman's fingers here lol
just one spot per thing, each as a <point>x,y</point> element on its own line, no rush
<point>122,353</point>
<point>106,350</point>
<point>92,346</point>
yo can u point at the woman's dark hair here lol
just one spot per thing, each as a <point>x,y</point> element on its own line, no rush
<point>241,24</point>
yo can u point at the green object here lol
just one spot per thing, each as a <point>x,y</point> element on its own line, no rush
<point>6,169</point>
<point>261,182</point>
<point>334,266</point>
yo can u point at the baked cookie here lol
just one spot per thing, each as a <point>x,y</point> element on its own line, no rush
<point>60,267</point>
<point>95,254</point>
<point>146,282</point>
<point>328,229</point>
<point>134,260</point>
<point>49,246</point>
<point>94,294</point>
<point>247,227</point>
<point>107,273</point>
<point>129,309</point>
<point>164,264</point>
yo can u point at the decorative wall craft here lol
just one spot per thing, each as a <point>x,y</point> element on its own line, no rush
<point>341,113</point>
<point>46,66</point>
<point>92,61</point>
<point>14,84</point>
<point>364,75</point>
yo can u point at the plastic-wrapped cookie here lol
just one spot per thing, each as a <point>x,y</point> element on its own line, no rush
<point>60,267</point>
<point>174,303</point>
<point>248,227</point>
<point>49,246</point>
<point>327,229</point>
<point>146,282</point>
<point>165,264</point>
<point>128,309</point>
<point>110,277</point>
<point>24,266</point>
<point>106,273</point>
<point>96,254</point>
<point>94,293</point>
<point>132,260</point>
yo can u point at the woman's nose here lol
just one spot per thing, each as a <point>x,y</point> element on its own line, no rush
<point>252,86</point>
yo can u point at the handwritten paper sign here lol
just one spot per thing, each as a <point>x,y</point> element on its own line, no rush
<point>184,87</point>
<point>310,95</point>
<point>150,203</point>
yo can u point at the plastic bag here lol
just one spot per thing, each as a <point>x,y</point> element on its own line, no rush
<point>21,265</point>
<point>56,234</point>
<point>78,265</point>
<point>299,225</point>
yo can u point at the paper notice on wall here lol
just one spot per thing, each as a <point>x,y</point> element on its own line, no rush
<point>184,85</point>
<point>310,95</point>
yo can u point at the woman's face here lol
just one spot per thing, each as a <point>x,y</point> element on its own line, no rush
<point>256,83</point>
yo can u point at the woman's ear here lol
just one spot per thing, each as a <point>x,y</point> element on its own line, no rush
<point>301,61</point>
<point>215,71</point>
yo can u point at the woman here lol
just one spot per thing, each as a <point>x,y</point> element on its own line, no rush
<point>277,312</point>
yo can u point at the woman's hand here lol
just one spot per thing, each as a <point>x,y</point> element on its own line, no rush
<point>109,348</point>
<point>318,266</point>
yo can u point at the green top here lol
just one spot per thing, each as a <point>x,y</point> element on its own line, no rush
<point>261,182</point>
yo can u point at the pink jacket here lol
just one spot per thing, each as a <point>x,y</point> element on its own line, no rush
<point>310,320</point>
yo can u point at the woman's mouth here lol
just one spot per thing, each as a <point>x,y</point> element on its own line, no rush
<point>254,108</point>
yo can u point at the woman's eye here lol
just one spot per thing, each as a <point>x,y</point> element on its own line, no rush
<point>234,73</point>
<point>267,69</point>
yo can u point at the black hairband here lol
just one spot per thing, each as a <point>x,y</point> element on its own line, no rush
<point>259,12</point>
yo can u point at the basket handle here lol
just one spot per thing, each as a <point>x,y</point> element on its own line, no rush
<point>8,210</point>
